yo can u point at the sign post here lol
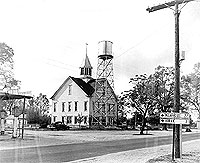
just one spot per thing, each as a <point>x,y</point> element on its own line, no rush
<point>175,118</point>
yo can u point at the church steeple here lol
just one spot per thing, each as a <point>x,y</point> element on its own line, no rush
<point>86,68</point>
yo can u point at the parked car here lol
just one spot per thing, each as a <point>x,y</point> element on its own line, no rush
<point>58,126</point>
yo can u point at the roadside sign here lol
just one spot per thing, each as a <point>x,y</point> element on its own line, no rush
<point>181,121</point>
<point>182,116</point>
<point>167,120</point>
<point>166,115</point>
<point>174,118</point>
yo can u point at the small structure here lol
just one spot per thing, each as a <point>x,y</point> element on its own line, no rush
<point>7,96</point>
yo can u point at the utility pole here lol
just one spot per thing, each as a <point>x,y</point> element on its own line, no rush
<point>176,127</point>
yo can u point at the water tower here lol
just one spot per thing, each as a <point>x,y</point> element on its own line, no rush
<point>104,98</point>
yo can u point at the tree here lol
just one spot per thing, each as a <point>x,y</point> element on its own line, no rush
<point>42,103</point>
<point>163,81</point>
<point>7,80</point>
<point>37,112</point>
<point>190,92</point>
<point>140,97</point>
<point>123,111</point>
<point>153,119</point>
<point>151,95</point>
<point>6,65</point>
<point>80,119</point>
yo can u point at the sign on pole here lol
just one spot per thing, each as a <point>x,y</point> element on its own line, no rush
<point>167,117</point>
<point>174,118</point>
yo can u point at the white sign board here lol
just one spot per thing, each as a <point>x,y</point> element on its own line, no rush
<point>167,120</point>
<point>182,116</point>
<point>182,121</point>
<point>166,115</point>
<point>174,118</point>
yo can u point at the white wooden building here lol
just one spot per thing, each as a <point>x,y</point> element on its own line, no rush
<point>75,99</point>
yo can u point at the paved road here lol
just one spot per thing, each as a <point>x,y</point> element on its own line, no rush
<point>70,152</point>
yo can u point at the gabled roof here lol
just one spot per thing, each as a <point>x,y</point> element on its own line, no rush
<point>86,87</point>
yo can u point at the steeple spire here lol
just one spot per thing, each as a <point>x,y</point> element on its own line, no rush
<point>86,47</point>
<point>87,61</point>
<point>86,67</point>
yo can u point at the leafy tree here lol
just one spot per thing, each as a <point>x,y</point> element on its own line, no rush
<point>190,92</point>
<point>37,112</point>
<point>123,111</point>
<point>42,103</point>
<point>163,81</point>
<point>163,85</point>
<point>154,119</point>
<point>151,95</point>
<point>7,80</point>
<point>140,97</point>
<point>6,66</point>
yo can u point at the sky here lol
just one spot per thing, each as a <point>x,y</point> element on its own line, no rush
<point>49,38</point>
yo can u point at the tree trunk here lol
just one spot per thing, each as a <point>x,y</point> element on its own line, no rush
<point>143,123</point>
<point>164,127</point>
<point>79,125</point>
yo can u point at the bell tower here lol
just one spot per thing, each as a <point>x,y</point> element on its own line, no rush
<point>86,68</point>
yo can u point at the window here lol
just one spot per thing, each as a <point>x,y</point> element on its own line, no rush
<point>69,106</point>
<point>54,118</point>
<point>82,71</point>
<point>54,106</point>
<point>86,71</point>
<point>69,119</point>
<point>110,107</point>
<point>76,106</point>
<point>63,106</point>
<point>85,105</point>
<point>103,107</point>
<point>70,89</point>
<point>75,120</point>
<point>90,72</point>
<point>63,119</point>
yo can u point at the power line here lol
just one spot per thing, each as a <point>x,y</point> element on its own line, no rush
<point>148,36</point>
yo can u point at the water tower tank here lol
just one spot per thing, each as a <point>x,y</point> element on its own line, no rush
<point>105,50</point>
